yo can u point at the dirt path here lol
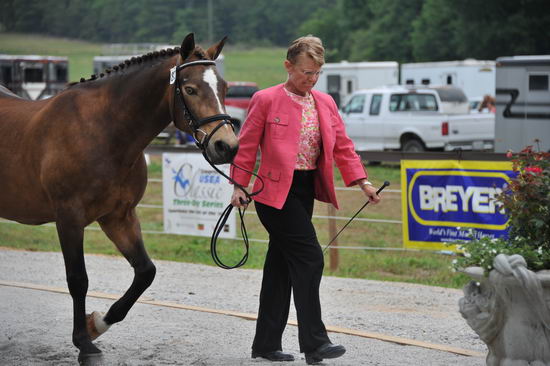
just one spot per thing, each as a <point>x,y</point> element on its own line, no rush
<point>36,325</point>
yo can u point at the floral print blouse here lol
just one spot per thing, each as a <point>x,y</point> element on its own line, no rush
<point>309,143</point>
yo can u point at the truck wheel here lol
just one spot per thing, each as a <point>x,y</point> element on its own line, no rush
<point>413,145</point>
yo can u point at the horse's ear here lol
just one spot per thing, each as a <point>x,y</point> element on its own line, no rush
<point>187,46</point>
<point>214,51</point>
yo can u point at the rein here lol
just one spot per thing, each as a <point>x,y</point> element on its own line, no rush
<point>225,215</point>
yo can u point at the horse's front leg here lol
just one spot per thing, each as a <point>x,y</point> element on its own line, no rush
<point>71,235</point>
<point>123,228</point>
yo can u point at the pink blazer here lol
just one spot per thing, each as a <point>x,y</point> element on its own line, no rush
<point>273,125</point>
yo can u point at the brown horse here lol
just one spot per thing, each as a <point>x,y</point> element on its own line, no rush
<point>78,158</point>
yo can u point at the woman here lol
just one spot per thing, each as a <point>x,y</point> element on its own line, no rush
<point>300,135</point>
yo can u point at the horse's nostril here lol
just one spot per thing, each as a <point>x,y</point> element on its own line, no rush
<point>225,150</point>
<point>221,147</point>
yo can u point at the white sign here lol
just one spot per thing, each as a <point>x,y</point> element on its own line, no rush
<point>195,196</point>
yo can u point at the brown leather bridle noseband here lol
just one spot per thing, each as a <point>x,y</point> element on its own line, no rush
<point>194,123</point>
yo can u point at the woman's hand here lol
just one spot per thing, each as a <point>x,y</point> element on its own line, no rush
<point>369,190</point>
<point>238,199</point>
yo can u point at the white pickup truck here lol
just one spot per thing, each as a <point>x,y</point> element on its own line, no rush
<point>416,118</point>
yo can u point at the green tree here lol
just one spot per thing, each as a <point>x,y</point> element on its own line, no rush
<point>493,28</point>
<point>388,35</point>
<point>329,25</point>
<point>434,33</point>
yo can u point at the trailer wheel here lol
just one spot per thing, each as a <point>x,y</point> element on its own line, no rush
<point>413,145</point>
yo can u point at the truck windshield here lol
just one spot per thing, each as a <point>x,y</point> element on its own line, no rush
<point>412,102</point>
<point>355,105</point>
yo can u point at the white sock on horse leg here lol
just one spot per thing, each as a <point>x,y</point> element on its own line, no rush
<point>99,323</point>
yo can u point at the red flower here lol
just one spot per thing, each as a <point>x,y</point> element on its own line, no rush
<point>509,154</point>
<point>534,169</point>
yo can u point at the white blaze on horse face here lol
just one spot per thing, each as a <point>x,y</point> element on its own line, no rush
<point>211,79</point>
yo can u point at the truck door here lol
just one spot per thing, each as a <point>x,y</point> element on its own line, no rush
<point>375,128</point>
<point>354,117</point>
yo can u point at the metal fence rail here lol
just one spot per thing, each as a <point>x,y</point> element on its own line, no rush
<point>386,156</point>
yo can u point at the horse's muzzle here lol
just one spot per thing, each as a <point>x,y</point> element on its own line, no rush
<point>223,153</point>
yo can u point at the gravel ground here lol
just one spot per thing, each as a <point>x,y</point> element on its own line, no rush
<point>36,326</point>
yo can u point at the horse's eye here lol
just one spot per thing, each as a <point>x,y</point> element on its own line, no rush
<point>189,90</point>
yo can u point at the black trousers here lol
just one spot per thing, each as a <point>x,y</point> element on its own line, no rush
<point>294,261</point>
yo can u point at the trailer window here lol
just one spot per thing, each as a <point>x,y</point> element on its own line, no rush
<point>61,73</point>
<point>412,102</point>
<point>356,104</point>
<point>425,81</point>
<point>538,82</point>
<point>375,104</point>
<point>34,75</point>
<point>409,82</point>
<point>6,74</point>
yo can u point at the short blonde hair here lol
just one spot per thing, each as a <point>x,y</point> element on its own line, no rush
<point>309,45</point>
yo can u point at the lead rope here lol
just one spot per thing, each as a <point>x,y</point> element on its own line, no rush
<point>225,215</point>
<point>386,183</point>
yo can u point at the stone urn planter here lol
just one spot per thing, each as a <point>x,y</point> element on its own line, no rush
<point>510,311</point>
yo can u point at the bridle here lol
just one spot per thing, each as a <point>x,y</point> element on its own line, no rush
<point>194,123</point>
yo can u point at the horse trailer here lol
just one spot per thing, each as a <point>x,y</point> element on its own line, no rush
<point>342,79</point>
<point>522,103</point>
<point>475,77</point>
<point>34,77</point>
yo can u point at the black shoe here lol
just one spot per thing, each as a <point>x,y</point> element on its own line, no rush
<point>327,350</point>
<point>276,356</point>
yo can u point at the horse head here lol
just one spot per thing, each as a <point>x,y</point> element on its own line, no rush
<point>198,101</point>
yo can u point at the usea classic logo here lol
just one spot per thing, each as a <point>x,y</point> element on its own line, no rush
<point>194,195</point>
<point>444,200</point>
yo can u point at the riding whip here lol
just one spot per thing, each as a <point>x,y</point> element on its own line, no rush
<point>386,183</point>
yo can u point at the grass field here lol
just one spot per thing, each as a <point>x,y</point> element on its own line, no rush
<point>265,67</point>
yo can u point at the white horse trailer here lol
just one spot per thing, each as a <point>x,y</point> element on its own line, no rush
<point>34,77</point>
<point>475,77</point>
<point>341,79</point>
<point>522,102</point>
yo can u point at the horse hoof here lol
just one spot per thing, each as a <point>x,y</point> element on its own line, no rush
<point>91,359</point>
<point>96,325</point>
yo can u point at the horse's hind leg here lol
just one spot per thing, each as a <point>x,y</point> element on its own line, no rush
<point>71,236</point>
<point>122,227</point>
